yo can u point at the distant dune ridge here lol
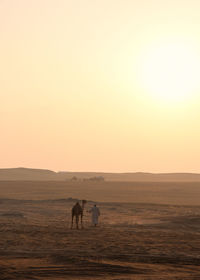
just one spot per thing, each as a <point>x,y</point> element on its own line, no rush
<point>28,174</point>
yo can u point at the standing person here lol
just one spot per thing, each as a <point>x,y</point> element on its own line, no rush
<point>95,215</point>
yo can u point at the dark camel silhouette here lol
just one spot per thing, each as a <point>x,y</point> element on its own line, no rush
<point>77,211</point>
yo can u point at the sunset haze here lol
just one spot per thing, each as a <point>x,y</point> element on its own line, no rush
<point>100,85</point>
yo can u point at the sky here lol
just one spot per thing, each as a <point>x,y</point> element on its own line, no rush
<point>110,85</point>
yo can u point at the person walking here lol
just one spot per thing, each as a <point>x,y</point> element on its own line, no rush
<point>95,215</point>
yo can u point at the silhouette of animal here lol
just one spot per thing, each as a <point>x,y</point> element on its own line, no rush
<point>77,212</point>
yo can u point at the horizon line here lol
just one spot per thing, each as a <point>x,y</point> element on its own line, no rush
<point>114,172</point>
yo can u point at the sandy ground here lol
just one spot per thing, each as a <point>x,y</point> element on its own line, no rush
<point>144,192</point>
<point>133,240</point>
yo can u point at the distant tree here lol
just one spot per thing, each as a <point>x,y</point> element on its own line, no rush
<point>74,178</point>
<point>97,179</point>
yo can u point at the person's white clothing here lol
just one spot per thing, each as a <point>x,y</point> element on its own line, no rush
<point>95,215</point>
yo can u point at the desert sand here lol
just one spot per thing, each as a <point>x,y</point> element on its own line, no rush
<point>143,233</point>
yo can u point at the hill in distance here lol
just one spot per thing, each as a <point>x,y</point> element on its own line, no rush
<point>28,174</point>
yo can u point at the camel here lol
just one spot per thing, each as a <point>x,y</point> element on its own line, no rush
<point>77,211</point>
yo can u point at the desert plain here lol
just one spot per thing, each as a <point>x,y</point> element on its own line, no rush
<point>147,230</point>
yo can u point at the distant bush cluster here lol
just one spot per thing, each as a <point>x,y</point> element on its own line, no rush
<point>97,178</point>
<point>94,179</point>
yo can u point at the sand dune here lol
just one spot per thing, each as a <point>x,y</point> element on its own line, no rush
<point>29,174</point>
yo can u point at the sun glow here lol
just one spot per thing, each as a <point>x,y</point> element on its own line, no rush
<point>170,72</point>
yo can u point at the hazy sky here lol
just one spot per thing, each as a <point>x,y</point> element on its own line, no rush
<point>108,85</point>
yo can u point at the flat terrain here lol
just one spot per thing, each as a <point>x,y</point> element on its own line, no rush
<point>134,240</point>
<point>178,193</point>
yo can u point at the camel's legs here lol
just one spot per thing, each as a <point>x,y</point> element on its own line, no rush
<point>72,221</point>
<point>82,221</point>
<point>77,221</point>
